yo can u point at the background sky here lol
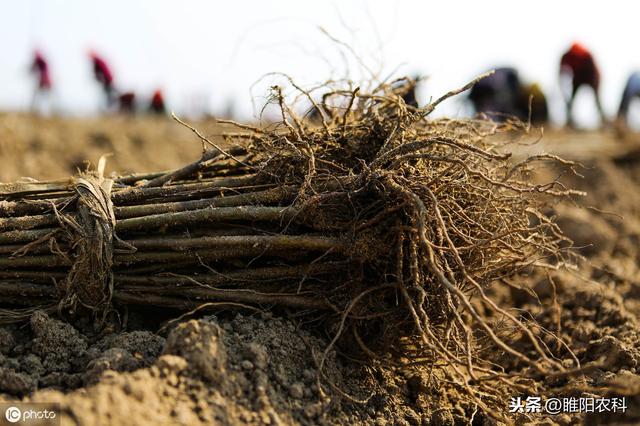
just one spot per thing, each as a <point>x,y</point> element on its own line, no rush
<point>207,54</point>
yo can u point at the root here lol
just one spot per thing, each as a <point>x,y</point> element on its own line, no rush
<point>375,220</point>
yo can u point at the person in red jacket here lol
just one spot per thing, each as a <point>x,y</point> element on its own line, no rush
<point>156,106</point>
<point>104,76</point>
<point>40,69</point>
<point>578,64</point>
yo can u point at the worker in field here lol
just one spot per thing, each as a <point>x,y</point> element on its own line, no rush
<point>578,66</point>
<point>127,102</point>
<point>104,77</point>
<point>406,89</point>
<point>631,92</point>
<point>156,106</point>
<point>498,94</point>
<point>532,104</point>
<point>41,72</point>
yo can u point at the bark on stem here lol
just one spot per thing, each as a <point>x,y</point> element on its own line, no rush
<point>208,215</point>
<point>191,169</point>
<point>243,242</point>
<point>268,196</point>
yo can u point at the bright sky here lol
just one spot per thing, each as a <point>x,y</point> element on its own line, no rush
<point>209,53</point>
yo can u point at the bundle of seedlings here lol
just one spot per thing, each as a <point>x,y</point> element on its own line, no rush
<point>385,226</point>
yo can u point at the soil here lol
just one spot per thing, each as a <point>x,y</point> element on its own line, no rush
<point>258,369</point>
<point>263,368</point>
<point>54,148</point>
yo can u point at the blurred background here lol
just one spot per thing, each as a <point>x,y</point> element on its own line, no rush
<point>204,56</point>
<point>79,79</point>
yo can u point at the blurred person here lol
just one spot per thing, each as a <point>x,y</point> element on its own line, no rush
<point>127,103</point>
<point>532,98</point>
<point>406,89</point>
<point>40,69</point>
<point>498,93</point>
<point>104,77</point>
<point>409,97</point>
<point>156,106</point>
<point>578,65</point>
<point>631,92</point>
